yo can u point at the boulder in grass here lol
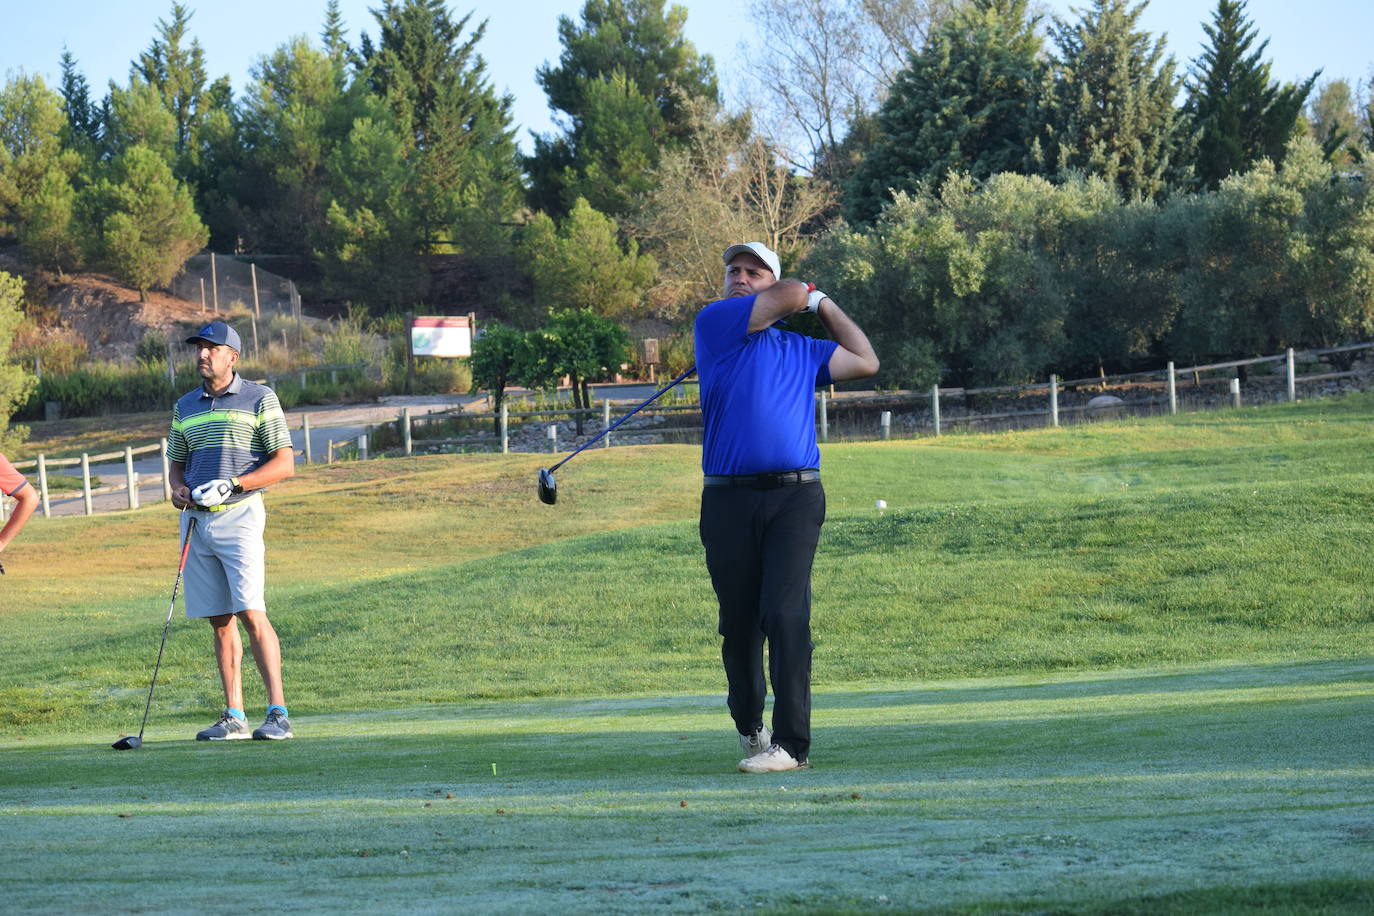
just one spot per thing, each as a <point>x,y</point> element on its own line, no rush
<point>1105,406</point>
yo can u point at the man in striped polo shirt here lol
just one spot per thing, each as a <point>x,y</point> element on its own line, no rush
<point>228,442</point>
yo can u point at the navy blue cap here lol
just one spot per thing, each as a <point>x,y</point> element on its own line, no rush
<point>217,332</point>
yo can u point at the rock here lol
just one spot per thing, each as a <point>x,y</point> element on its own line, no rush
<point>1105,406</point>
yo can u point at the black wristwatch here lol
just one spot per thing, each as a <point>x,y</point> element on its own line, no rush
<point>234,483</point>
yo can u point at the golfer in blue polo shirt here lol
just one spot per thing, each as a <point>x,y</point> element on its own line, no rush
<point>228,442</point>
<point>762,505</point>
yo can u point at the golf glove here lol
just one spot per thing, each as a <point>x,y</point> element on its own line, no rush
<point>813,298</point>
<point>213,492</point>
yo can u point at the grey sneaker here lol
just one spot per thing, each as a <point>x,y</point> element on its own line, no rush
<point>275,728</point>
<point>228,728</point>
<point>774,760</point>
<point>756,743</point>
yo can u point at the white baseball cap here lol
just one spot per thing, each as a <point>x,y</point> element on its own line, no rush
<point>758,250</point>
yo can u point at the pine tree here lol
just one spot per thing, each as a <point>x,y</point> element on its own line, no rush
<point>961,105</point>
<point>334,35</point>
<point>82,116</point>
<point>15,383</point>
<point>144,219</point>
<point>36,194</point>
<point>1110,107</point>
<point>177,71</point>
<point>1332,122</point>
<point>457,129</point>
<point>625,83</point>
<point>1240,115</point>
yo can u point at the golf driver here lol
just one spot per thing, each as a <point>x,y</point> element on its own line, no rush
<point>130,742</point>
<point>548,487</point>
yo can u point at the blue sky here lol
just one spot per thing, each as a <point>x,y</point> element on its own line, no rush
<point>105,35</point>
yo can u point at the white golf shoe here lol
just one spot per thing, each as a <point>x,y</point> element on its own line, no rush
<point>774,760</point>
<point>756,743</point>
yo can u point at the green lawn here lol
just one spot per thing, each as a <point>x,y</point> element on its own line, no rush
<point>1113,668</point>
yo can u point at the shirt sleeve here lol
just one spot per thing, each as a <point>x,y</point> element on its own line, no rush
<point>271,433</point>
<point>177,449</point>
<point>722,327</point>
<point>11,481</point>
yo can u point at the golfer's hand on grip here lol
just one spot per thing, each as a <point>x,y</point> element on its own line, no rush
<point>212,492</point>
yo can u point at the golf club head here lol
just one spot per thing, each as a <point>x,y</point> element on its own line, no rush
<point>127,743</point>
<point>548,487</point>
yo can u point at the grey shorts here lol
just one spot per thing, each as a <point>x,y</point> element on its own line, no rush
<point>225,567</point>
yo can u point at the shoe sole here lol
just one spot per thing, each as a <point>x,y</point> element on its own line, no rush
<point>261,737</point>
<point>237,736</point>
<point>804,765</point>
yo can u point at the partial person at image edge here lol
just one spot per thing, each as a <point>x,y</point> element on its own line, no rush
<point>227,443</point>
<point>762,504</point>
<point>13,483</point>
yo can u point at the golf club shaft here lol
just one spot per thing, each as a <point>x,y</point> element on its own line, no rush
<point>176,586</point>
<point>657,394</point>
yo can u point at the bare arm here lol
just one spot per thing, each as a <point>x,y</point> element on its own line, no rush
<point>786,297</point>
<point>176,476</point>
<point>28,502</point>
<point>281,465</point>
<point>854,357</point>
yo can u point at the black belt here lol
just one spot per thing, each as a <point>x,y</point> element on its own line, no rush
<point>764,481</point>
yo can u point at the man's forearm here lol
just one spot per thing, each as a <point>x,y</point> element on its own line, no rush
<point>861,361</point>
<point>280,466</point>
<point>27,503</point>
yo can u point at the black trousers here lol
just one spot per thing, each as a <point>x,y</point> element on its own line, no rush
<point>760,544</point>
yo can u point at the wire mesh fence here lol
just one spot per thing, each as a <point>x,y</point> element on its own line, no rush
<point>223,284</point>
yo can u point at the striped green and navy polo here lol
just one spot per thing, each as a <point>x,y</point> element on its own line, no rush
<point>226,435</point>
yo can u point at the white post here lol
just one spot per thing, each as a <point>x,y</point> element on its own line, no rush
<point>329,452</point>
<point>166,470</point>
<point>214,283</point>
<point>1292,378</point>
<point>553,437</point>
<point>1173,389</point>
<point>86,483</point>
<point>362,447</point>
<point>1235,392</point>
<point>606,422</point>
<point>885,424</point>
<point>824,414</point>
<point>130,478</point>
<point>305,437</point>
<point>1054,400</point>
<point>405,430</point>
<point>43,486</point>
<point>505,429</point>
<point>935,406</point>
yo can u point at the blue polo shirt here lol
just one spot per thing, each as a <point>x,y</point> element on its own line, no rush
<point>226,435</point>
<point>757,392</point>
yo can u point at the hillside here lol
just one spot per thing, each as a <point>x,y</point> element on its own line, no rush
<point>103,312</point>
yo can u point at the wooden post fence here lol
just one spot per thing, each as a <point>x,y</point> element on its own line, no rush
<point>130,478</point>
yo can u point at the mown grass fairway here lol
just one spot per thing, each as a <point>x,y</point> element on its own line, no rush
<point>1121,668</point>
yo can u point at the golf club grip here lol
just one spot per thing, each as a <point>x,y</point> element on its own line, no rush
<point>653,397</point>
